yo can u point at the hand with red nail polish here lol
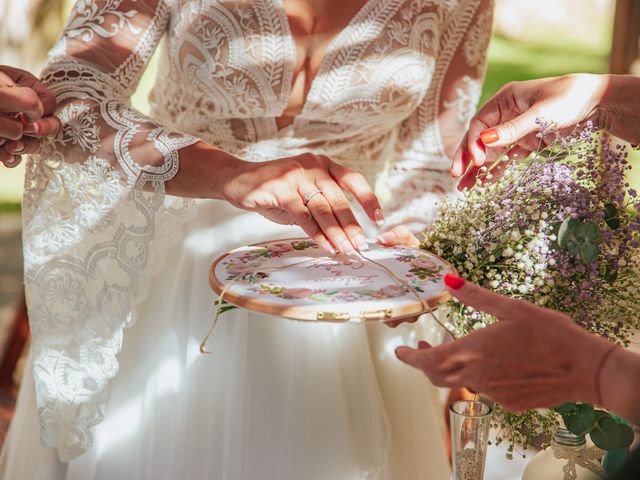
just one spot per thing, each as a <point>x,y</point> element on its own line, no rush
<point>507,122</point>
<point>532,357</point>
<point>453,281</point>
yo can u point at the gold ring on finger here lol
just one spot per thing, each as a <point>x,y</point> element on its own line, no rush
<point>308,197</point>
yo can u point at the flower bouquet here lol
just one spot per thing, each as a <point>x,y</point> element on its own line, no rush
<point>559,229</point>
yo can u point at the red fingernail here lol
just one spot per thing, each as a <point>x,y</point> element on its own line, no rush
<point>453,281</point>
<point>31,128</point>
<point>490,136</point>
<point>481,146</point>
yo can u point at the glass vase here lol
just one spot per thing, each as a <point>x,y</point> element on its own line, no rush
<point>470,422</point>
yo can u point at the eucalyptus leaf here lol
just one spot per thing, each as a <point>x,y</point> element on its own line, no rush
<point>566,231</point>
<point>581,239</point>
<point>588,232</point>
<point>582,420</point>
<point>606,433</point>
<point>567,408</point>
<point>611,216</point>
<point>588,252</point>
<point>619,420</point>
<point>626,436</point>
<point>614,460</point>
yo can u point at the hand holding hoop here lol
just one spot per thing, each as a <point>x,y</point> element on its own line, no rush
<point>307,190</point>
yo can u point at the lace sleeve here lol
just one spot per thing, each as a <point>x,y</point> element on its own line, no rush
<point>95,219</point>
<point>419,177</point>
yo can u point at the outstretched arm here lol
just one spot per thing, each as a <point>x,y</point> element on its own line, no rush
<point>509,119</point>
<point>532,358</point>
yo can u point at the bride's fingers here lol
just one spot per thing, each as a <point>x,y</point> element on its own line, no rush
<point>399,235</point>
<point>342,211</point>
<point>302,217</point>
<point>355,183</point>
<point>323,214</point>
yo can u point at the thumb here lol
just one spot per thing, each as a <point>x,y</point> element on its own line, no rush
<point>415,357</point>
<point>511,131</point>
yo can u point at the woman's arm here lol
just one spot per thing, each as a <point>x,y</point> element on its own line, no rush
<point>532,357</point>
<point>95,69</point>
<point>509,118</point>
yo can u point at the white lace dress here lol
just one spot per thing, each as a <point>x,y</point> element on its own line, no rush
<point>116,277</point>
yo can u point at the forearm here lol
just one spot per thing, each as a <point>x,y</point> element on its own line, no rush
<point>620,384</point>
<point>619,108</point>
<point>203,172</point>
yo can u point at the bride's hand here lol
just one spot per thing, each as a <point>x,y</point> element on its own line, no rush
<point>306,190</point>
<point>508,120</point>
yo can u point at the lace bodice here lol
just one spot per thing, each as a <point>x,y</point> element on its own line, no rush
<point>390,99</point>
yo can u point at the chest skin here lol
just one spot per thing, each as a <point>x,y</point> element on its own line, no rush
<point>314,24</point>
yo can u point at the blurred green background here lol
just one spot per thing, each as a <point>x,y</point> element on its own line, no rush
<point>526,44</point>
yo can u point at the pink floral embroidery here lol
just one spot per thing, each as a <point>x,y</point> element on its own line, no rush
<point>424,263</point>
<point>391,291</point>
<point>295,293</point>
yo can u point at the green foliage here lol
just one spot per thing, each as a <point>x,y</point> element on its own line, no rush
<point>607,431</point>
<point>611,216</point>
<point>614,460</point>
<point>580,238</point>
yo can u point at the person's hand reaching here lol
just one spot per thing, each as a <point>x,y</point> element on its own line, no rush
<point>26,114</point>
<point>508,120</point>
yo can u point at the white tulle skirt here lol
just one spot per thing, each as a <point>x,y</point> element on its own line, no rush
<point>277,399</point>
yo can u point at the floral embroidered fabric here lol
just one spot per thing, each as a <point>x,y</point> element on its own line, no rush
<point>266,278</point>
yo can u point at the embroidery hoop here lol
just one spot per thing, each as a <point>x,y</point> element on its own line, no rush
<point>412,303</point>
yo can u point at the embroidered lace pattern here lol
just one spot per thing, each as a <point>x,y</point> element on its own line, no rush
<point>96,221</point>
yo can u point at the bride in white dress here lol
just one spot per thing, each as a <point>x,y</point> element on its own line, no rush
<point>116,277</point>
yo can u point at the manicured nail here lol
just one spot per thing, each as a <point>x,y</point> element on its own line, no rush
<point>362,243</point>
<point>465,161</point>
<point>346,247</point>
<point>31,128</point>
<point>453,281</point>
<point>15,161</point>
<point>387,238</point>
<point>379,217</point>
<point>490,136</point>
<point>481,146</point>
<point>327,247</point>
<point>17,148</point>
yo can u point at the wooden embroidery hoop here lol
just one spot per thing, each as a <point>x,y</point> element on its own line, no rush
<point>329,312</point>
